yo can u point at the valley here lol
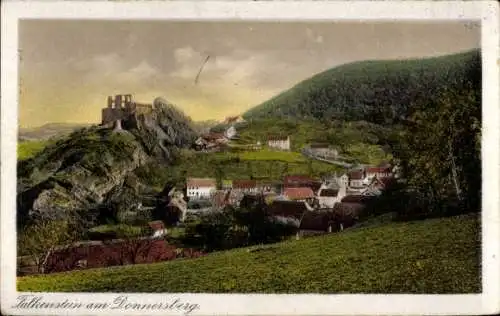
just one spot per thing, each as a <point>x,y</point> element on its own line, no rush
<point>369,170</point>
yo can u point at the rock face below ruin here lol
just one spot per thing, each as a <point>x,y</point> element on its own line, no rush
<point>93,167</point>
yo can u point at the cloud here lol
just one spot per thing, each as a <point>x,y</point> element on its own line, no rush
<point>239,67</point>
<point>185,54</point>
<point>318,39</point>
<point>106,63</point>
<point>113,67</point>
<point>140,72</point>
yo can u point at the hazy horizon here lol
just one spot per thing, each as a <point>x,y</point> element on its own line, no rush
<point>68,68</point>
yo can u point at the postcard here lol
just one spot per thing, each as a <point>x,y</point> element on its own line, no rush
<point>250,158</point>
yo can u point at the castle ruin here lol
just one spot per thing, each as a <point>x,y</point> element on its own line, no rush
<point>122,106</point>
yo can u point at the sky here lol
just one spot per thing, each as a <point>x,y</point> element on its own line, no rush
<point>68,68</point>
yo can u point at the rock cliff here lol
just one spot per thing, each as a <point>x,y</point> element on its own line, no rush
<point>93,167</point>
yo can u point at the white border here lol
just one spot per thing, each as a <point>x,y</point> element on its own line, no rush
<point>255,304</point>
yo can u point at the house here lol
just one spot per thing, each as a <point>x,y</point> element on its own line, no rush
<point>299,194</point>
<point>234,198</point>
<point>343,180</point>
<point>298,181</point>
<point>376,185</point>
<point>230,133</point>
<point>227,184</point>
<point>201,143</point>
<point>200,187</point>
<point>223,198</point>
<point>279,142</point>
<point>245,186</point>
<point>322,150</point>
<point>356,179</point>
<point>379,172</point>
<point>328,195</point>
<point>269,186</point>
<point>331,192</point>
<point>211,141</point>
<point>158,228</point>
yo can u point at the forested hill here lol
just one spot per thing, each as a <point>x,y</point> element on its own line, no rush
<point>376,91</point>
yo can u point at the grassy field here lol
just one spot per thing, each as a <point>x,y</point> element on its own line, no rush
<point>432,256</point>
<point>28,149</point>
<point>121,230</point>
<point>285,156</point>
<point>262,164</point>
<point>265,154</point>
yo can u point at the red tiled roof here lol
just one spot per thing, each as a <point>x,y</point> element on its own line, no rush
<point>297,179</point>
<point>299,193</point>
<point>276,137</point>
<point>356,175</point>
<point>201,182</point>
<point>301,181</point>
<point>244,184</point>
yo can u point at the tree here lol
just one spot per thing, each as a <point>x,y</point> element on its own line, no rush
<point>41,238</point>
<point>131,248</point>
<point>310,167</point>
<point>219,175</point>
<point>440,151</point>
<point>285,169</point>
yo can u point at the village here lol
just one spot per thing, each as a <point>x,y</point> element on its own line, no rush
<point>351,189</point>
<point>312,205</point>
<point>205,155</point>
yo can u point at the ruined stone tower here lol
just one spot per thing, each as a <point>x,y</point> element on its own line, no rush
<point>120,107</point>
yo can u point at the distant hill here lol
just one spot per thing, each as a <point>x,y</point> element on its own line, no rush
<point>202,127</point>
<point>48,130</point>
<point>376,91</point>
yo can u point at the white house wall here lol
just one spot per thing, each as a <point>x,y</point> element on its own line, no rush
<point>200,191</point>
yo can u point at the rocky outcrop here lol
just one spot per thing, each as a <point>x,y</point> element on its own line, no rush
<point>93,167</point>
